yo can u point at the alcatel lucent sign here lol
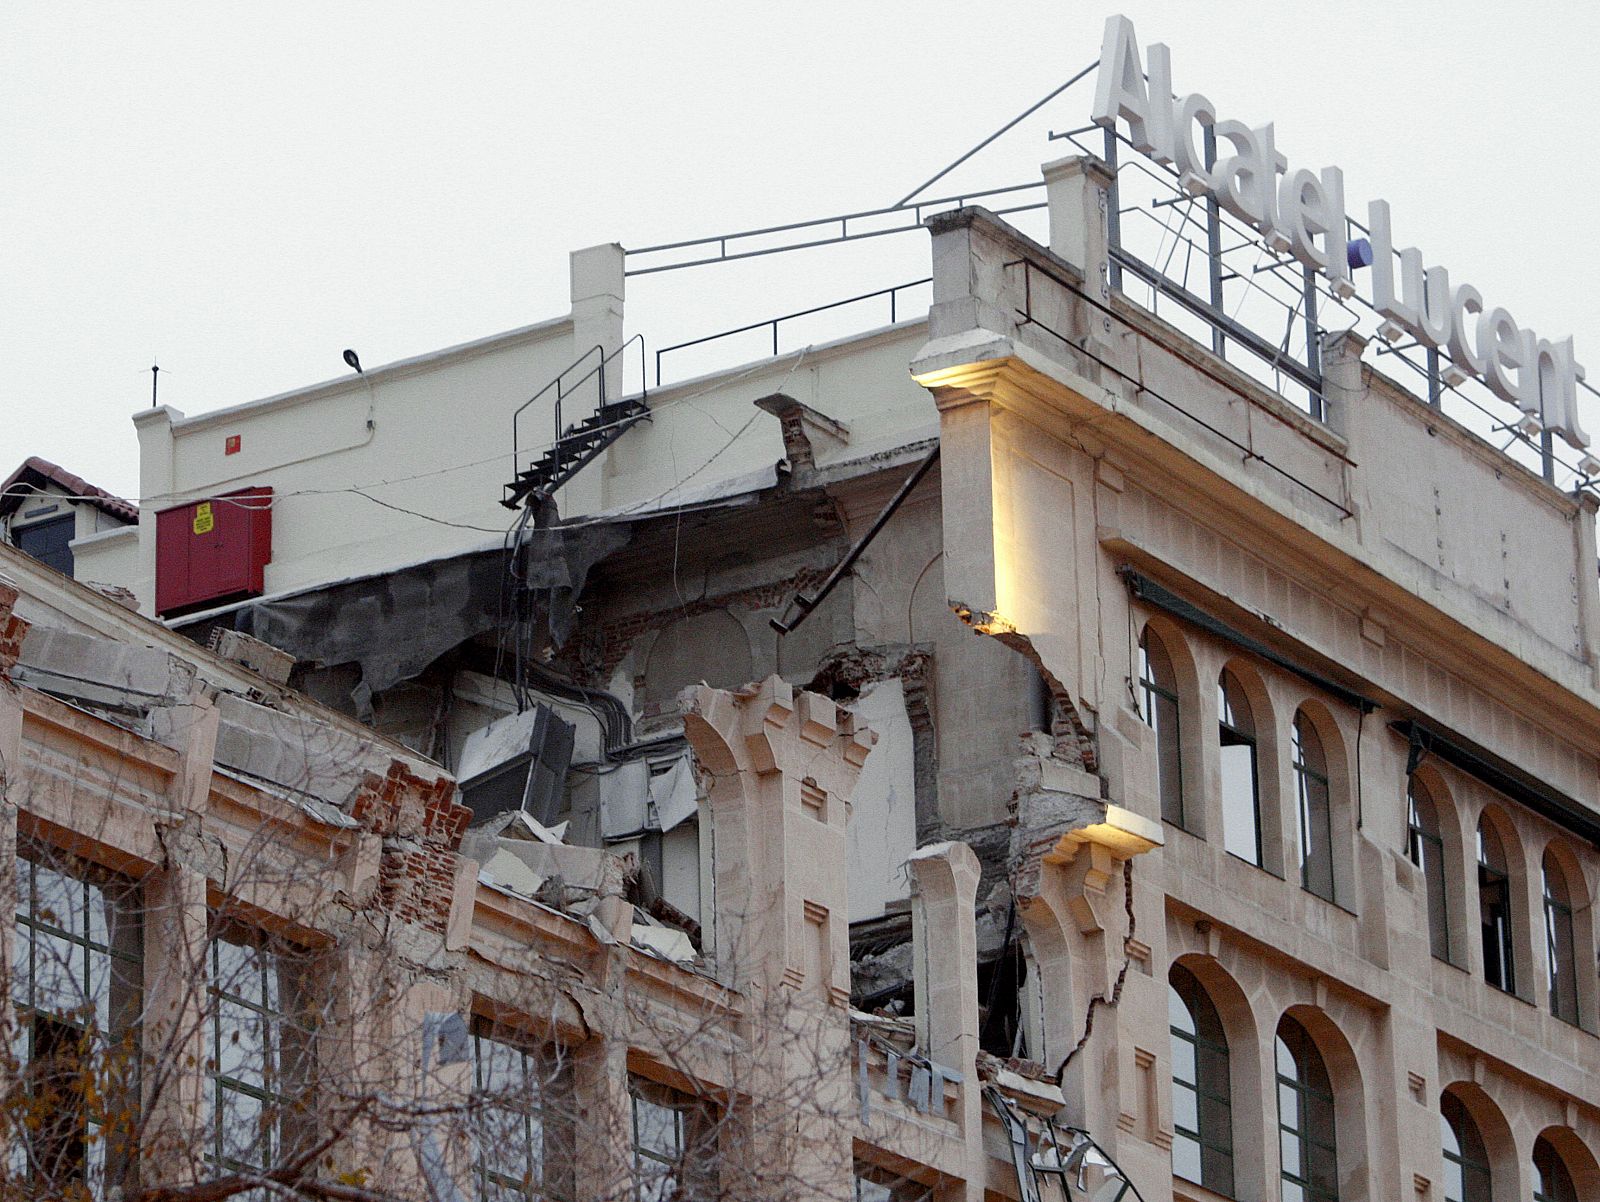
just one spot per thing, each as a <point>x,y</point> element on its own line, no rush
<point>1302,212</point>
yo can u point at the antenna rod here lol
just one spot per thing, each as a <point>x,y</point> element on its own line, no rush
<point>155,372</point>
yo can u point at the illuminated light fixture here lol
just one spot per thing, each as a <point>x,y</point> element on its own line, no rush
<point>1529,425</point>
<point>1358,253</point>
<point>1193,184</point>
<point>1589,466</point>
<point>1391,331</point>
<point>1455,376</point>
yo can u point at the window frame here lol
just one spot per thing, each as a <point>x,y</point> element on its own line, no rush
<point>1563,1189</point>
<point>552,1073</point>
<point>1213,1097</point>
<point>1496,897</point>
<point>693,1122</point>
<point>1560,933</point>
<point>1152,693</point>
<point>111,1044</point>
<point>1311,779</point>
<point>1314,1111</point>
<point>1471,1165</point>
<point>1432,864</point>
<point>1232,733</point>
<point>288,1091</point>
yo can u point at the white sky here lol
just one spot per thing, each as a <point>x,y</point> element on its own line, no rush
<point>241,191</point>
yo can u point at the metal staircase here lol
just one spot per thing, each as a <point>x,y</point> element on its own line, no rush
<point>575,446</point>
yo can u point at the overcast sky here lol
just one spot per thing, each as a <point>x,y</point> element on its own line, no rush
<point>242,191</point>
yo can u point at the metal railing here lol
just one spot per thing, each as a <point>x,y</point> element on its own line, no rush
<point>600,361</point>
<point>802,231</point>
<point>775,322</point>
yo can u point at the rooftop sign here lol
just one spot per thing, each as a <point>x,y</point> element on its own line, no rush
<point>1302,213</point>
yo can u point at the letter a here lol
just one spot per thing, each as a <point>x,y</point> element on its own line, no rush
<point>1119,87</point>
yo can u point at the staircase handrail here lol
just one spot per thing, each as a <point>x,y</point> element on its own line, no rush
<point>561,392</point>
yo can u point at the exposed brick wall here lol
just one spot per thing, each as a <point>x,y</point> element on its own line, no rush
<point>421,825</point>
<point>12,631</point>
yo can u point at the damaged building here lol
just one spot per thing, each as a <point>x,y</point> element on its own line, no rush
<point>1065,741</point>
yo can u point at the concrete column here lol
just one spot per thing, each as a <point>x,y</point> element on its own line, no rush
<point>177,1104</point>
<point>781,767</point>
<point>157,481</point>
<point>1077,190</point>
<point>1341,382</point>
<point>597,295</point>
<point>603,1119</point>
<point>944,894</point>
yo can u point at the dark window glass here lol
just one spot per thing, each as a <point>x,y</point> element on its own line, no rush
<point>1241,792</point>
<point>1551,1180</point>
<point>1158,700</point>
<point>1495,914</point>
<point>1306,1137</point>
<point>1202,1096</point>
<point>1316,821</point>
<point>1466,1163</point>
<point>48,541</point>
<point>1559,954</point>
<point>1426,850</point>
<point>76,986</point>
<point>524,1119</point>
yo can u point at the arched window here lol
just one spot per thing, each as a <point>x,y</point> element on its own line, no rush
<point>1552,1181</point>
<point>1559,954</point>
<point>1241,785</point>
<point>1426,850</point>
<point>1495,914</point>
<point>1158,701</point>
<point>1316,820</point>
<point>1306,1137</point>
<point>1466,1161</point>
<point>1202,1095</point>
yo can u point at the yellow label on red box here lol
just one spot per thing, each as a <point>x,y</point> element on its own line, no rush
<point>203,521</point>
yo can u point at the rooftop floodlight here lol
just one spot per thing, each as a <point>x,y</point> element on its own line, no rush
<point>1358,253</point>
<point>1343,288</point>
<point>1192,183</point>
<point>1391,331</point>
<point>1278,242</point>
<point>1530,425</point>
<point>1589,466</point>
<point>353,359</point>
<point>1455,375</point>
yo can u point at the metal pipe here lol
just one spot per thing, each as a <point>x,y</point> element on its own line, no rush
<point>807,604</point>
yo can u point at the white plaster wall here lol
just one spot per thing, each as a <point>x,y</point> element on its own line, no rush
<point>708,430</point>
<point>883,820</point>
<point>431,435</point>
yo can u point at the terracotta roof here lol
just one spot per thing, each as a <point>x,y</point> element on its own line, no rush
<point>35,473</point>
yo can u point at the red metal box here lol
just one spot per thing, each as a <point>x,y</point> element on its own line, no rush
<point>213,551</point>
